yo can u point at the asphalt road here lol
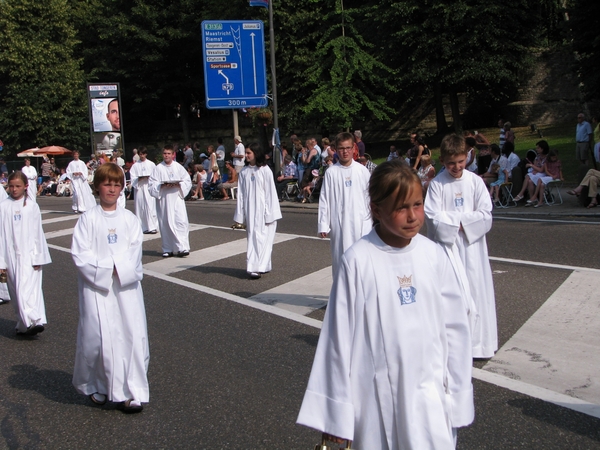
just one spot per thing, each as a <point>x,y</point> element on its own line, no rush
<point>224,375</point>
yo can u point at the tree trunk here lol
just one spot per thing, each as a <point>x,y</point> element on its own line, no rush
<point>440,117</point>
<point>457,121</point>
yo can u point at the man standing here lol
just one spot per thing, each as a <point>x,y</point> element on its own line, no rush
<point>170,183</point>
<point>359,143</point>
<point>583,136</point>
<point>238,154</point>
<point>113,116</point>
<point>145,204</point>
<point>344,201</point>
<point>188,155</point>
<point>77,172</point>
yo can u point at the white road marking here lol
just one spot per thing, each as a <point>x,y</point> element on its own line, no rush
<point>521,219</point>
<point>548,265</point>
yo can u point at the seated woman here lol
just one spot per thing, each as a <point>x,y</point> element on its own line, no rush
<point>232,180</point>
<point>309,184</point>
<point>553,171</point>
<point>198,182</point>
<point>426,172</point>
<point>591,181</point>
<point>537,170</point>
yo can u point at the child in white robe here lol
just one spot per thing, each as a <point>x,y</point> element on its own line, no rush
<point>23,252</point>
<point>258,207</point>
<point>392,368</point>
<point>4,295</point>
<point>111,361</point>
<point>344,201</point>
<point>459,215</point>
<point>145,204</point>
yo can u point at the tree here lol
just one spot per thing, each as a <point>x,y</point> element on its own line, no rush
<point>584,21</point>
<point>42,89</point>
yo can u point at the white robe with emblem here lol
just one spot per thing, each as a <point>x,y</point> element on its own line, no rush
<point>22,246</point>
<point>32,176</point>
<point>344,207</point>
<point>392,368</point>
<point>452,203</point>
<point>145,204</point>
<point>83,198</point>
<point>258,207</point>
<point>171,211</point>
<point>112,339</point>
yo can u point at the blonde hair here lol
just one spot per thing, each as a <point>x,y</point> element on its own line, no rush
<point>393,177</point>
<point>108,172</point>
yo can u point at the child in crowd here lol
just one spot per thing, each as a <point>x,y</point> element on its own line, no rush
<point>426,172</point>
<point>111,361</point>
<point>258,207</point>
<point>552,170</point>
<point>459,215</point>
<point>201,176</point>
<point>495,185</point>
<point>309,185</point>
<point>393,363</point>
<point>23,252</point>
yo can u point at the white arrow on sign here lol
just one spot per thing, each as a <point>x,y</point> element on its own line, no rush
<point>227,85</point>
<point>254,63</point>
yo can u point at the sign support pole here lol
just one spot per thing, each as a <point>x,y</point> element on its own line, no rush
<point>276,150</point>
<point>236,128</point>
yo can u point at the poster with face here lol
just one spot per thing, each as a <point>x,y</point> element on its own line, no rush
<point>105,114</point>
<point>105,117</point>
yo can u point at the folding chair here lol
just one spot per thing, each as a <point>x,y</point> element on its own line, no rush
<point>552,195</point>
<point>291,190</point>
<point>506,198</point>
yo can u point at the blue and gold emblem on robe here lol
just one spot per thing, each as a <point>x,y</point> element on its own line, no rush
<point>112,236</point>
<point>348,182</point>
<point>17,215</point>
<point>407,292</point>
<point>252,178</point>
<point>458,199</point>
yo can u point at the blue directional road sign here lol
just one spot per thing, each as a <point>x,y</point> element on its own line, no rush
<point>235,71</point>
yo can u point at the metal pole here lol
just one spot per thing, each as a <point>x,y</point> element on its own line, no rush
<point>236,128</point>
<point>276,151</point>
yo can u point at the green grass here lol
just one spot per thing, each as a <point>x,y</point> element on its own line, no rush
<point>560,137</point>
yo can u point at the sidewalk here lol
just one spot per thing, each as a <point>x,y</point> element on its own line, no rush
<point>569,208</point>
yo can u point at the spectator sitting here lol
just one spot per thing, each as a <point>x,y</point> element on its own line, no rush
<point>552,171</point>
<point>512,158</point>
<point>289,175</point>
<point>310,185</point>
<point>426,172</point>
<point>537,170</point>
<point>489,177</point>
<point>205,162</point>
<point>591,180</point>
<point>365,160</point>
<point>495,186</point>
<point>199,178</point>
<point>232,180</point>
<point>215,179</point>
<point>4,179</point>
<point>393,153</point>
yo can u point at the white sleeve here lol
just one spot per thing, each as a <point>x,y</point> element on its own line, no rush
<point>129,263</point>
<point>324,221</point>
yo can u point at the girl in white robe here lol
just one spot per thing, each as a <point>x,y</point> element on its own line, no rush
<point>459,215</point>
<point>23,252</point>
<point>392,368</point>
<point>83,198</point>
<point>32,176</point>
<point>4,295</point>
<point>111,361</point>
<point>258,207</point>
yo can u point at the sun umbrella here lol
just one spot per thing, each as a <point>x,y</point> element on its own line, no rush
<point>29,153</point>
<point>53,150</point>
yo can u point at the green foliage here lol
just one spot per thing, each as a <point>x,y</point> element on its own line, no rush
<point>42,90</point>
<point>584,24</point>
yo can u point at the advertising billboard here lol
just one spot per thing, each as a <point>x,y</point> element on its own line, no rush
<point>106,125</point>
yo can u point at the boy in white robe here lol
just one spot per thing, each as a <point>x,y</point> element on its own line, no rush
<point>258,207</point>
<point>23,252</point>
<point>4,295</point>
<point>145,204</point>
<point>459,215</point>
<point>392,368</point>
<point>32,177</point>
<point>83,198</point>
<point>111,361</point>
<point>344,201</point>
<point>169,183</point>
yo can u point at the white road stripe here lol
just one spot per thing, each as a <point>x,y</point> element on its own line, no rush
<point>521,219</point>
<point>541,264</point>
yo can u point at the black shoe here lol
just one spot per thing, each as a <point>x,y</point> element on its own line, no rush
<point>34,329</point>
<point>128,408</point>
<point>152,232</point>
<point>254,275</point>
<point>182,254</point>
<point>167,254</point>
<point>100,400</point>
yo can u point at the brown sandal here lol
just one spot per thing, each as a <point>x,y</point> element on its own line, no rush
<point>592,204</point>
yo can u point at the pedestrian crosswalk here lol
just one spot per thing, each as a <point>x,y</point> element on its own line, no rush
<point>553,356</point>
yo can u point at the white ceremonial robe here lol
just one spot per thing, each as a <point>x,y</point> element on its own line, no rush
<point>171,211</point>
<point>22,246</point>
<point>392,368</point>
<point>258,207</point>
<point>83,198</point>
<point>344,210</point>
<point>4,295</point>
<point>452,203</point>
<point>145,204</point>
<point>32,177</point>
<point>112,339</point>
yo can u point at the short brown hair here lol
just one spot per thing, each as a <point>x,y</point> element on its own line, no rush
<point>452,145</point>
<point>343,137</point>
<point>108,172</point>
